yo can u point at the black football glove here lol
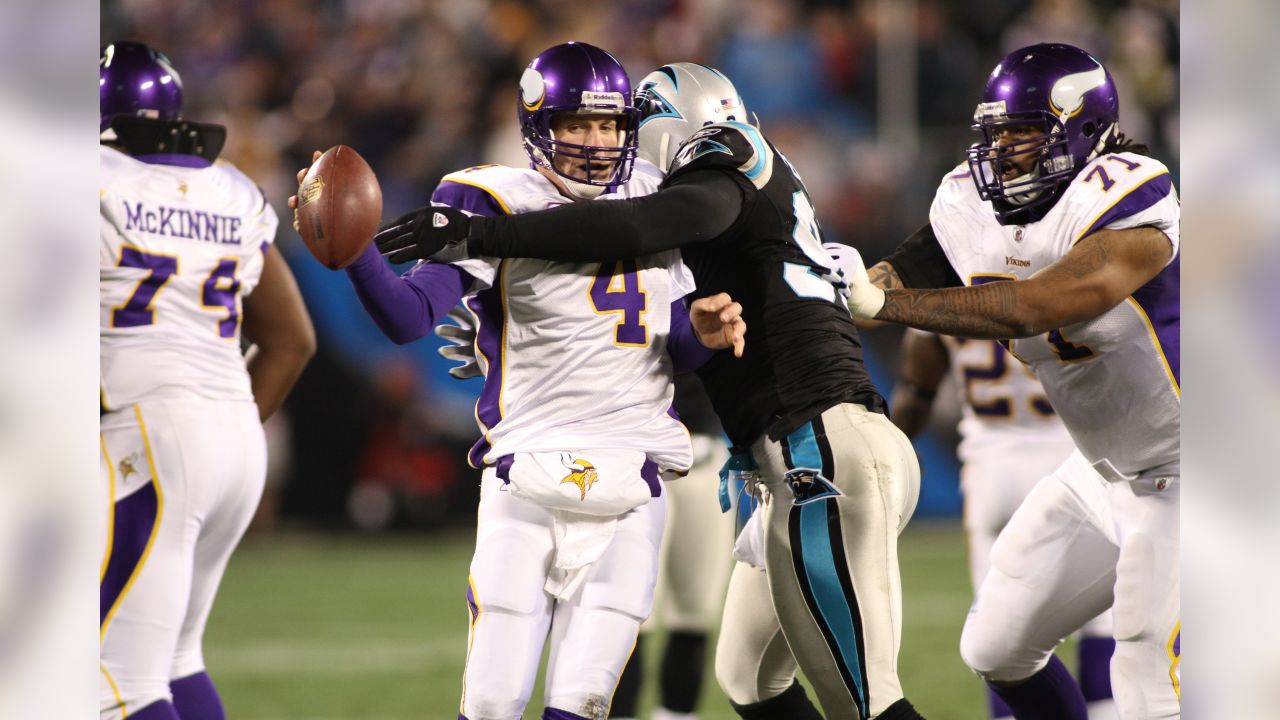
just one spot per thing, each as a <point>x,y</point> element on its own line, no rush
<point>435,233</point>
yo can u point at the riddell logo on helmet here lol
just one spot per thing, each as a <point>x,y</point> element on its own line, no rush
<point>602,101</point>
<point>990,110</point>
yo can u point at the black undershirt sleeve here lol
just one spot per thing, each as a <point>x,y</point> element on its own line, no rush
<point>921,263</point>
<point>701,207</point>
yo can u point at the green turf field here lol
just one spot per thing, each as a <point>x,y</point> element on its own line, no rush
<point>344,626</point>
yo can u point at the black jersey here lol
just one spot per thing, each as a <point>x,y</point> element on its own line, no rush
<point>802,351</point>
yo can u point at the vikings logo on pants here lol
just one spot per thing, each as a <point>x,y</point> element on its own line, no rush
<point>583,473</point>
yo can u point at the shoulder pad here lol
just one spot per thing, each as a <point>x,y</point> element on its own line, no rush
<point>1114,187</point>
<point>957,192</point>
<point>728,146</point>
<point>509,190</point>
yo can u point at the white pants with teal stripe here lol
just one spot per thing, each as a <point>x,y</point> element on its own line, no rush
<point>832,572</point>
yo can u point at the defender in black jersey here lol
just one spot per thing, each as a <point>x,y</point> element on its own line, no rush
<point>840,480</point>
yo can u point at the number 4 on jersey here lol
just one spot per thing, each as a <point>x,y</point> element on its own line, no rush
<point>616,289</point>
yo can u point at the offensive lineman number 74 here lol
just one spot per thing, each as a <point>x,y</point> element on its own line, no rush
<point>219,290</point>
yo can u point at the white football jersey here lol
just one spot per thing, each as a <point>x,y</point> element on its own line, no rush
<point>1114,380</point>
<point>1005,410</point>
<point>181,246</point>
<point>574,354</point>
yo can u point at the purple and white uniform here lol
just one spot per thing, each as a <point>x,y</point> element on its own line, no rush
<point>183,451</point>
<point>1123,412</point>
<point>574,354</point>
<point>1083,539</point>
<point>577,425</point>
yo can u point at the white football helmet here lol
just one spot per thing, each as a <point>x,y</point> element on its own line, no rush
<point>677,100</point>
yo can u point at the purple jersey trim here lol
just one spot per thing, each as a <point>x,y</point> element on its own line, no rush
<point>472,198</point>
<point>1133,202</point>
<point>177,159</point>
<point>686,351</point>
<point>406,308</point>
<point>649,471</point>
<point>1161,299</point>
<point>491,317</point>
<point>134,519</point>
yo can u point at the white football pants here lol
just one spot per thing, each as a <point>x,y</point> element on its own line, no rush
<point>591,635</point>
<point>994,485</point>
<point>832,570</point>
<point>1077,544</point>
<point>184,479</point>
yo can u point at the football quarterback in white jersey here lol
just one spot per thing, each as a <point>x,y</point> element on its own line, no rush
<point>187,261</point>
<point>1067,237</point>
<point>1010,437</point>
<point>578,360</point>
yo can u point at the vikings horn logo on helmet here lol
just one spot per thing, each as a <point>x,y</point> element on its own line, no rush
<point>1067,95</point>
<point>583,473</point>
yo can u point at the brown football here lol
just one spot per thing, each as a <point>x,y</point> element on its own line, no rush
<point>339,207</point>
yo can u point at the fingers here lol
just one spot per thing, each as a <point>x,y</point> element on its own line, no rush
<point>315,155</point>
<point>400,256</point>
<point>393,240</point>
<point>455,334</point>
<point>730,313</point>
<point>736,334</point>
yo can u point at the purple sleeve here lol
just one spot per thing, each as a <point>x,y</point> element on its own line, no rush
<point>686,351</point>
<point>406,308</point>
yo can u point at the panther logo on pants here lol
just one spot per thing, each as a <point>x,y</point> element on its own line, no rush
<point>583,474</point>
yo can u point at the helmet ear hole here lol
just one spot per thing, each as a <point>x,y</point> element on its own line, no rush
<point>1089,129</point>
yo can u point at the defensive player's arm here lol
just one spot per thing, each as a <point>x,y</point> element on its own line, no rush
<point>1097,274</point>
<point>701,206</point>
<point>923,265</point>
<point>277,323</point>
<point>924,364</point>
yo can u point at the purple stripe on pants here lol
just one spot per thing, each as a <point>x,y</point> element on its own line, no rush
<point>135,519</point>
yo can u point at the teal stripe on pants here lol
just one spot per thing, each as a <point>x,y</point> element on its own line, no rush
<point>820,569</point>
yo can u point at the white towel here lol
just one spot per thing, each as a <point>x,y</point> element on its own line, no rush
<point>604,483</point>
<point>586,492</point>
<point>580,541</point>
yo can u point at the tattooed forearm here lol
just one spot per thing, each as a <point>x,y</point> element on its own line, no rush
<point>988,311</point>
<point>883,276</point>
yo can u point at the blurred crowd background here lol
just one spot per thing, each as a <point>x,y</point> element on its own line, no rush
<point>871,100</point>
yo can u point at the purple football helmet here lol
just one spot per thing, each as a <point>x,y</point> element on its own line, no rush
<point>1070,98</point>
<point>579,78</point>
<point>134,79</point>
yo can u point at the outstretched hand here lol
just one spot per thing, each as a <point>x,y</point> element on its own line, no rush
<point>432,232</point>
<point>718,323</point>
<point>865,299</point>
